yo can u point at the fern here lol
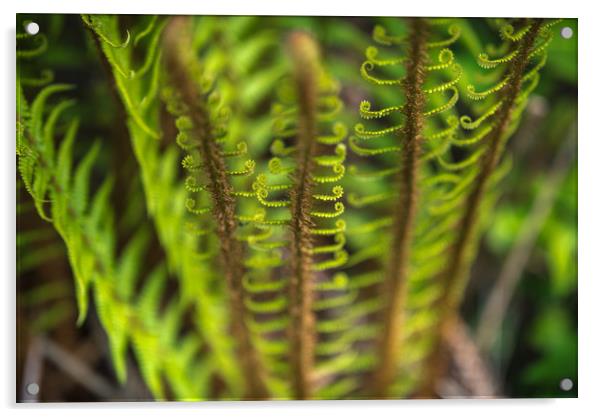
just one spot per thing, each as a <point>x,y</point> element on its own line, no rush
<point>308,107</point>
<point>147,150</point>
<point>422,61</point>
<point>85,224</point>
<point>200,134</point>
<point>526,42</point>
<point>291,269</point>
<point>244,58</point>
<point>165,197</point>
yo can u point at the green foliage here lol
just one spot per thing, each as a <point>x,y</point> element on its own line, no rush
<point>554,336</point>
<point>84,220</point>
<point>288,268</point>
<point>164,195</point>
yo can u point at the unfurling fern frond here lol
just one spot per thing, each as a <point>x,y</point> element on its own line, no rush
<point>412,133</point>
<point>165,196</point>
<point>30,47</point>
<point>299,206</point>
<point>524,44</point>
<point>212,198</point>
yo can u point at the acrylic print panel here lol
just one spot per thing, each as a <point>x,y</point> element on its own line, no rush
<point>243,207</point>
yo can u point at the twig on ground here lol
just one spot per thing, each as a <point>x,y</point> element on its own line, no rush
<point>79,371</point>
<point>474,374</point>
<point>32,374</point>
<point>494,312</point>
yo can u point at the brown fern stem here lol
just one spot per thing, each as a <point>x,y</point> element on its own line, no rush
<point>455,276</point>
<point>395,283</point>
<point>301,286</point>
<point>179,62</point>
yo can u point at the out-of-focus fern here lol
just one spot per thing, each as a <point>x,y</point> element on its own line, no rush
<point>28,47</point>
<point>165,196</point>
<point>244,58</point>
<point>37,246</point>
<point>202,125</point>
<point>84,220</point>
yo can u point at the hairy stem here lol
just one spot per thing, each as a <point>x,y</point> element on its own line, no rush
<point>395,283</point>
<point>179,61</point>
<point>455,276</point>
<point>301,286</point>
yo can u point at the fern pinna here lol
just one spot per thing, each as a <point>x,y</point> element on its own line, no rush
<point>270,285</point>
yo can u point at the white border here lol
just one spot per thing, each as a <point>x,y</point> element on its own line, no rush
<point>590,208</point>
<point>466,8</point>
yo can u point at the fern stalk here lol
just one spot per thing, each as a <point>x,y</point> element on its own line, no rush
<point>302,331</point>
<point>395,283</point>
<point>455,276</point>
<point>224,203</point>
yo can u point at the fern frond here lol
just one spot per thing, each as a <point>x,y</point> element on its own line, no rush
<point>495,125</point>
<point>485,62</point>
<point>84,220</point>
<point>362,133</point>
<point>467,123</point>
<point>365,70</point>
<point>306,115</point>
<point>446,106</point>
<point>431,74</point>
<point>165,197</point>
<point>372,54</point>
<point>509,32</point>
<point>40,45</point>
<point>457,69</point>
<point>339,131</point>
<point>473,94</point>
<point>206,125</point>
<point>445,59</point>
<point>337,193</point>
<point>372,175</point>
<point>362,201</point>
<point>46,77</point>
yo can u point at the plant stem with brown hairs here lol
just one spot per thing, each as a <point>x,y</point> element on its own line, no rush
<point>304,53</point>
<point>179,61</point>
<point>395,283</point>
